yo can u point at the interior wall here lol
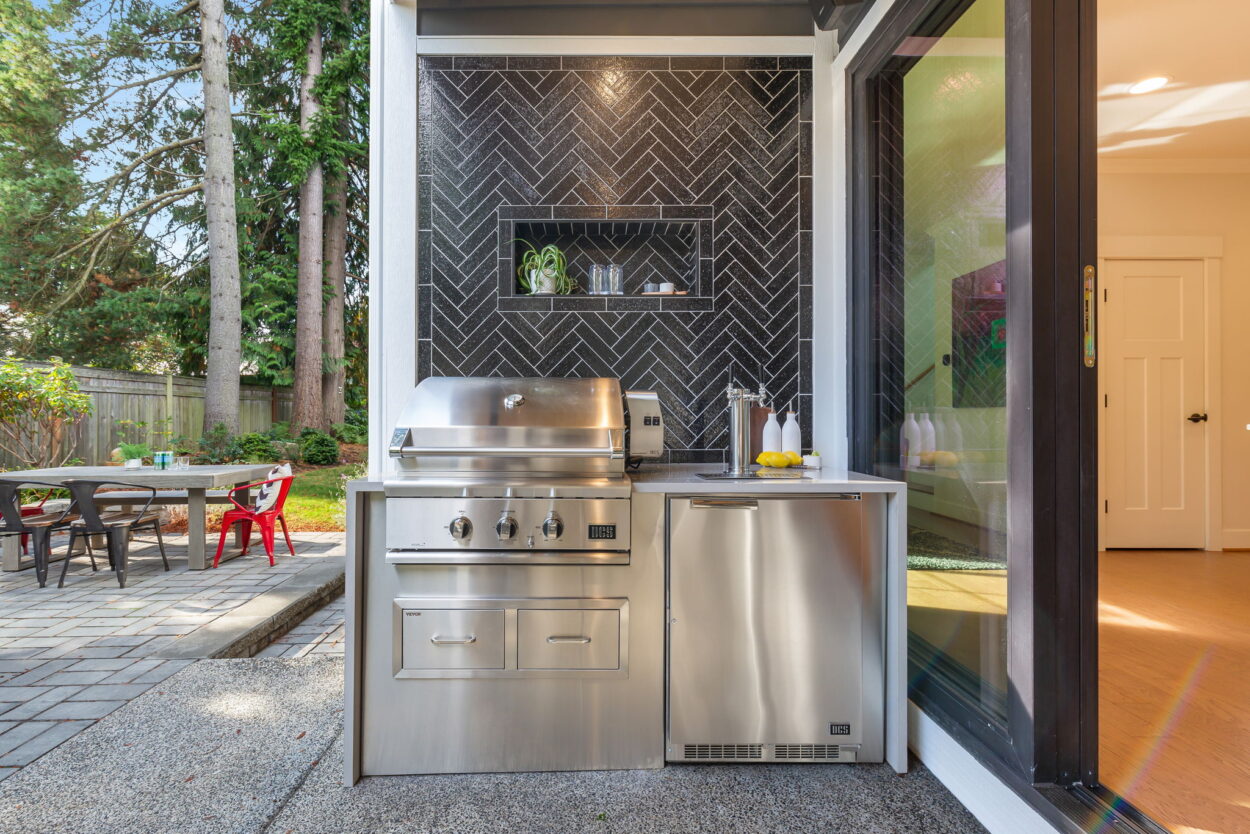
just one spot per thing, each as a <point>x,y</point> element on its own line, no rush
<point>1146,202</point>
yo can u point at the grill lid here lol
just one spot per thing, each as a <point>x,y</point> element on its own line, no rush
<point>497,424</point>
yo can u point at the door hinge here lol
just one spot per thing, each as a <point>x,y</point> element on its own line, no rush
<point>1106,505</point>
<point>1104,400</point>
<point>1089,342</point>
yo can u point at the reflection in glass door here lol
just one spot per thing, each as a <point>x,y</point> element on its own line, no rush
<point>939,298</point>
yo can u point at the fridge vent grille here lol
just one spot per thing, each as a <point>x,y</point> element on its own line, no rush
<point>724,751</point>
<point>807,751</point>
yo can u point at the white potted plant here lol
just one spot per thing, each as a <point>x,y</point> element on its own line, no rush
<point>543,271</point>
<point>133,454</point>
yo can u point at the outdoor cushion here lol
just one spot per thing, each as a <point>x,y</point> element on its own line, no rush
<point>267,497</point>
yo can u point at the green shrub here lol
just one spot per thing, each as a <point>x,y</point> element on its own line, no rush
<point>318,448</point>
<point>258,448</point>
<point>280,431</point>
<point>218,446</point>
<point>347,433</point>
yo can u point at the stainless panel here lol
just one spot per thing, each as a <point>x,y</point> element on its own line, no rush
<point>514,720</point>
<point>646,425</point>
<point>614,609</point>
<point>581,524</point>
<point>531,425</point>
<point>507,557</point>
<point>568,639</point>
<point>450,639</point>
<point>412,485</point>
<point>775,624</point>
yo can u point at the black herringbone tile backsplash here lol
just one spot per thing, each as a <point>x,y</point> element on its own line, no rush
<point>732,133</point>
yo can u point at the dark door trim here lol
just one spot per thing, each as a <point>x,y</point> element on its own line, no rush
<point>1051,731</point>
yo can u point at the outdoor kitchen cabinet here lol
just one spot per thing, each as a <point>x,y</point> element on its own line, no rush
<point>775,624</point>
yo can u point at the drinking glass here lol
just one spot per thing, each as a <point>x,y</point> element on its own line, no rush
<point>616,280</point>
<point>598,280</point>
<point>182,462</point>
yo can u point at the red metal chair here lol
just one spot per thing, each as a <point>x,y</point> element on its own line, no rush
<point>247,516</point>
<point>29,510</point>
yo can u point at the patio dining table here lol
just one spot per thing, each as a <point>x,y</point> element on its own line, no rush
<point>195,480</point>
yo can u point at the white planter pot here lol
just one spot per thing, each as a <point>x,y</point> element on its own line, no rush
<point>133,463</point>
<point>542,282</point>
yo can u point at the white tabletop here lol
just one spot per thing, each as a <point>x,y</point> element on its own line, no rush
<point>196,477</point>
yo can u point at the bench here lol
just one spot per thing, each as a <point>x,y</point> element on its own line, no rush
<point>129,498</point>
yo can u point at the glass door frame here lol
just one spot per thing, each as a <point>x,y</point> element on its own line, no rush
<point>1051,733</point>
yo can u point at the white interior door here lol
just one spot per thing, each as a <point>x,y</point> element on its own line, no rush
<point>1154,481</point>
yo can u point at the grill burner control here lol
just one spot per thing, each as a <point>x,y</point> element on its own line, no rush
<point>506,528</point>
<point>553,527</point>
<point>461,528</point>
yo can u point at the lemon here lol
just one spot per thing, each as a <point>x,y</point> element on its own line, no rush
<point>775,460</point>
<point>794,457</point>
<point>761,458</point>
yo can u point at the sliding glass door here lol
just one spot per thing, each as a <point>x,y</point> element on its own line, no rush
<point>970,225</point>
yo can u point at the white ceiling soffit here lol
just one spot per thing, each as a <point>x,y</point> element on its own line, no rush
<point>1204,111</point>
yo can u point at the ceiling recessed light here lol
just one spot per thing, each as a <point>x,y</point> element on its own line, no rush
<point>1149,85</point>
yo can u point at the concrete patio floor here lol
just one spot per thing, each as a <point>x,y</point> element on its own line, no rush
<point>70,656</point>
<point>255,746</point>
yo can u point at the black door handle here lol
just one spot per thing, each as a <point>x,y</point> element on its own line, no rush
<point>1197,418</point>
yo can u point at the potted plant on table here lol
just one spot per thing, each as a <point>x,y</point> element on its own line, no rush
<point>543,271</point>
<point>133,454</point>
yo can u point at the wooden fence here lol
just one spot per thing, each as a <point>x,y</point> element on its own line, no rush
<point>149,398</point>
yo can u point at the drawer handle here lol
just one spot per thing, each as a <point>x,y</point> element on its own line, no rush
<point>453,641</point>
<point>568,638</point>
<point>725,503</point>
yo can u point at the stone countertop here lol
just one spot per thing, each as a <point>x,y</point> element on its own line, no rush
<point>684,478</point>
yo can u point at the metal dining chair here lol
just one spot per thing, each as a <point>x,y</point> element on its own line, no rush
<point>116,527</point>
<point>39,527</point>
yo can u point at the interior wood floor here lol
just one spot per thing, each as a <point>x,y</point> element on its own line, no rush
<point>1174,686</point>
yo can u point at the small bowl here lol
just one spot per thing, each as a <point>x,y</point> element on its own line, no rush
<point>811,461</point>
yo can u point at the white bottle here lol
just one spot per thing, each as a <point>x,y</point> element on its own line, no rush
<point>928,435</point>
<point>954,434</point>
<point>939,432</point>
<point>792,434</point>
<point>909,442</point>
<point>772,433</point>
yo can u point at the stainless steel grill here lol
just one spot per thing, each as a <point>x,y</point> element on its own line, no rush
<point>495,426</point>
<point>510,584</point>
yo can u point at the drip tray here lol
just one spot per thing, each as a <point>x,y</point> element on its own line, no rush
<point>755,475</point>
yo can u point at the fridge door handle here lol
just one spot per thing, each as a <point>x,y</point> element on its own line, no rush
<point>724,503</point>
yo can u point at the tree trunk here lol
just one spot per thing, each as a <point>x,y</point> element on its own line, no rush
<point>308,412</point>
<point>334,378</point>
<point>225,351</point>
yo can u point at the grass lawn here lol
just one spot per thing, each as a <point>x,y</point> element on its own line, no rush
<point>315,502</point>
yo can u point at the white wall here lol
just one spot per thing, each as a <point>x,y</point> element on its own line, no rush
<point>392,222</point>
<point>1182,199</point>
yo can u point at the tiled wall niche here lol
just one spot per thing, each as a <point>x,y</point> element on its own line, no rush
<point>644,135</point>
<point>652,243</point>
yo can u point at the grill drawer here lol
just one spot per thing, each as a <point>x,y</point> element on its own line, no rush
<point>568,638</point>
<point>453,639</point>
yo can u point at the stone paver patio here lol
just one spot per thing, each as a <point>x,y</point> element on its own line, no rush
<point>70,656</point>
<point>321,632</point>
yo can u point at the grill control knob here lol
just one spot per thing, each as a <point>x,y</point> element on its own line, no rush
<point>461,528</point>
<point>553,527</point>
<point>506,527</point>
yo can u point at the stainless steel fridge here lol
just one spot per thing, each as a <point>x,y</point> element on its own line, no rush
<point>775,623</point>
